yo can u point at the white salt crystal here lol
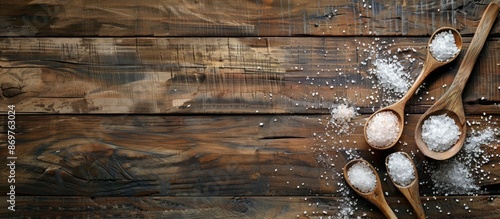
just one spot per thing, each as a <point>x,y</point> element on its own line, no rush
<point>440,132</point>
<point>391,75</point>
<point>457,175</point>
<point>342,116</point>
<point>362,177</point>
<point>453,177</point>
<point>473,143</point>
<point>443,46</point>
<point>400,169</point>
<point>382,129</point>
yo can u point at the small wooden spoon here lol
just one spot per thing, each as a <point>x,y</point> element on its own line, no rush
<point>430,65</point>
<point>451,102</point>
<point>376,196</point>
<point>410,191</point>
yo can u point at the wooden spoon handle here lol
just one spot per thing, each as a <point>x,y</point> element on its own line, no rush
<point>482,31</point>
<point>388,211</point>
<point>413,195</point>
<point>379,200</point>
<point>428,67</point>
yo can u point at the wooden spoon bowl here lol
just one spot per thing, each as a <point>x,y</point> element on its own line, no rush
<point>451,102</point>
<point>459,121</point>
<point>430,65</point>
<point>410,191</point>
<point>376,197</point>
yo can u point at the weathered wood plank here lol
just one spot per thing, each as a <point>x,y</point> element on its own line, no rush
<point>239,207</point>
<point>178,156</point>
<point>237,18</point>
<point>196,155</point>
<point>220,75</point>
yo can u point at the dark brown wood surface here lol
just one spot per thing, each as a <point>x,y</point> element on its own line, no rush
<point>240,207</point>
<point>237,17</point>
<point>220,109</point>
<point>196,156</point>
<point>219,75</point>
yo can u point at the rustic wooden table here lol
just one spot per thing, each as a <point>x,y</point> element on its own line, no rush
<point>220,109</point>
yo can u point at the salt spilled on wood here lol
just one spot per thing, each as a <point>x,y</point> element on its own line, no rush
<point>391,75</point>
<point>362,177</point>
<point>453,177</point>
<point>329,145</point>
<point>382,129</point>
<point>400,169</point>
<point>461,174</point>
<point>473,143</point>
<point>443,46</point>
<point>342,116</point>
<point>439,132</point>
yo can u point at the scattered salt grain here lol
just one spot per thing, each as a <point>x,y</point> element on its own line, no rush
<point>382,129</point>
<point>443,46</point>
<point>342,116</point>
<point>457,175</point>
<point>453,177</point>
<point>440,132</point>
<point>473,143</point>
<point>362,177</point>
<point>391,75</point>
<point>400,169</point>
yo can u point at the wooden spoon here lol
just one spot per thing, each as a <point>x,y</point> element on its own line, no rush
<point>410,191</point>
<point>376,196</point>
<point>430,65</point>
<point>451,102</point>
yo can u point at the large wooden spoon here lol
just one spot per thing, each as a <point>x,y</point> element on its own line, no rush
<point>410,191</point>
<point>430,65</point>
<point>376,196</point>
<point>451,102</point>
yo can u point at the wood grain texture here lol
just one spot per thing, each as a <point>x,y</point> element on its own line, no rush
<point>219,109</point>
<point>240,207</point>
<point>412,190</point>
<point>221,75</point>
<point>376,196</point>
<point>127,155</point>
<point>236,18</point>
<point>451,102</point>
